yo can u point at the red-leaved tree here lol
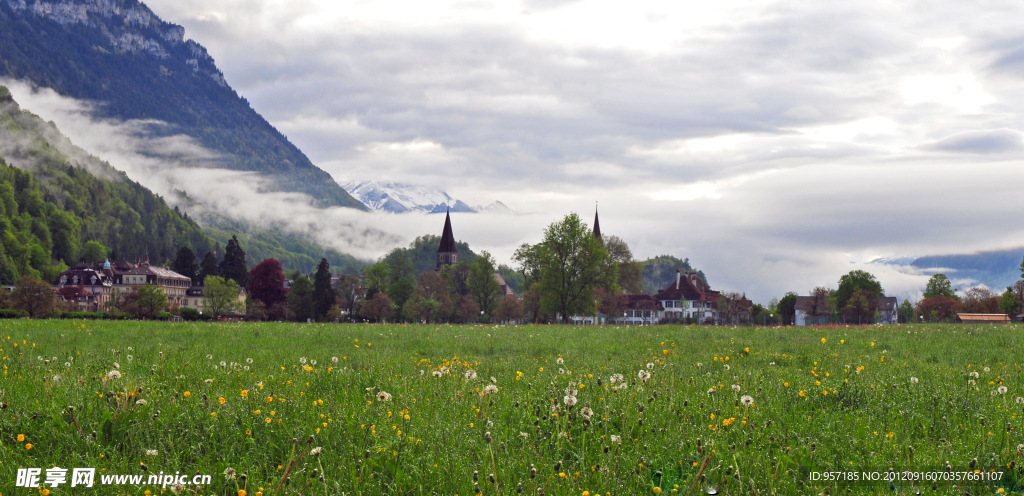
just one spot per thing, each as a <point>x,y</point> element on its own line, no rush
<point>266,283</point>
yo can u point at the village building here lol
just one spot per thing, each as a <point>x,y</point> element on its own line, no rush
<point>888,307</point>
<point>447,254</point>
<point>87,288</point>
<point>118,276</point>
<point>194,298</point>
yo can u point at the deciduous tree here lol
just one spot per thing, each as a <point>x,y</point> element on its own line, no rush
<point>509,309</point>
<point>938,308</point>
<point>378,308</point>
<point>94,252</point>
<point>861,307</point>
<point>33,296</point>
<point>819,303</point>
<point>266,283</point>
<point>483,287</point>
<point>151,301</point>
<point>571,263</point>
<point>300,299</point>
<point>787,308</point>
<point>221,296</point>
<point>939,285</point>
<point>855,281</point>
<point>430,300</point>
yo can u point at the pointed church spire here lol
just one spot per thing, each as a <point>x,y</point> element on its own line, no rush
<point>446,252</point>
<point>597,226</point>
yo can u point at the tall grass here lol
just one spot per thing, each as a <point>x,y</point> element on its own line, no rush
<point>823,399</point>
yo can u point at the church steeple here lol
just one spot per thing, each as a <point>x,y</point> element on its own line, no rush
<point>446,252</point>
<point>597,227</point>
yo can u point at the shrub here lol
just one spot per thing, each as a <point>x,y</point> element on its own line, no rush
<point>190,314</point>
<point>13,314</point>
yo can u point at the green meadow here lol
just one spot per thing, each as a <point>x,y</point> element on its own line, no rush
<point>328,409</point>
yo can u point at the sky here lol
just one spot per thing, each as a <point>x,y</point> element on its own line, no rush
<point>777,145</point>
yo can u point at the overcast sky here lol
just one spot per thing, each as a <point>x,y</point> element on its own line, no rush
<point>777,145</point>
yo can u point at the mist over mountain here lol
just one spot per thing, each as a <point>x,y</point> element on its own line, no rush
<point>995,269</point>
<point>134,66</point>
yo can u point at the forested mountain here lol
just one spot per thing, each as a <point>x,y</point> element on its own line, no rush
<point>55,198</point>
<point>660,271</point>
<point>119,54</point>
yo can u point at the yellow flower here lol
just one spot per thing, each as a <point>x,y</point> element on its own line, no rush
<point>21,437</point>
<point>802,393</point>
<point>268,420</point>
<point>657,490</point>
<point>248,432</point>
<point>186,394</point>
<point>561,475</point>
<point>28,446</point>
<point>663,352</point>
<point>272,413</point>
<point>586,493</point>
<point>245,393</point>
<point>822,340</point>
<point>241,492</point>
<point>785,384</point>
<point>222,400</point>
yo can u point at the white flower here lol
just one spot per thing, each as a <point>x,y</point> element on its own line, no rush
<point>444,370</point>
<point>67,364</point>
<point>987,369</point>
<point>913,380</point>
<point>177,488</point>
<point>736,387</point>
<point>1020,400</point>
<point>559,361</point>
<point>209,357</point>
<point>152,452</point>
<point>334,359</point>
<point>229,473</point>
<point>569,400</point>
<point>650,365</point>
<point>490,389</point>
<point>470,374</point>
<point>117,365</point>
<point>223,363</point>
<point>383,396</point>
<point>561,371</point>
<point>113,374</point>
<point>524,435</point>
<point>130,358</point>
<point>616,378</point>
<point>494,380</point>
<point>699,364</point>
<point>312,362</point>
<point>1001,389</point>
<point>209,381</point>
<point>302,360</point>
<point>316,451</point>
<point>644,375</point>
<point>587,412</point>
<point>746,399</point>
<point>141,402</point>
<point>975,374</point>
<point>436,373</point>
<point>248,360</point>
<point>726,367</point>
<point>616,439</point>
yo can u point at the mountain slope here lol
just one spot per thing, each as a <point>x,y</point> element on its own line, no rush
<point>995,269</point>
<point>400,198</point>
<point>56,198</point>
<point>120,54</point>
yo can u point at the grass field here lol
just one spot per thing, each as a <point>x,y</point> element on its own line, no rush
<point>262,398</point>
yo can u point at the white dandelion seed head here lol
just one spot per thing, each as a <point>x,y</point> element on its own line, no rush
<point>913,380</point>
<point>1020,447</point>
<point>975,374</point>
<point>209,381</point>
<point>616,378</point>
<point>422,372</point>
<point>587,412</point>
<point>151,452</point>
<point>229,473</point>
<point>56,378</point>
<point>248,360</point>
<point>650,365</point>
<point>67,364</point>
<point>302,360</point>
<point>1020,400</point>
<point>470,374</point>
<point>383,396</point>
<point>559,361</point>
<point>177,488</point>
<point>141,402</point>
<point>1002,389</point>
<point>444,370</point>
<point>699,365</point>
<point>490,389</point>
<point>773,363</point>
<point>129,357</point>
<point>569,400</point>
<point>209,357</point>
<point>245,368</point>
<point>117,365</point>
<point>223,363</point>
<point>130,348</point>
<point>644,375</point>
<point>994,392</point>
<point>987,369</point>
<point>334,359</point>
<point>494,380</point>
<point>970,381</point>
<point>259,383</point>
<point>727,367</point>
<point>569,391</point>
<point>561,371</point>
<point>616,439</point>
<point>312,362</point>
<point>524,435</point>
<point>624,385</point>
<point>436,373</point>
<point>746,399</point>
<point>711,390</point>
<point>113,374</point>
<point>736,387</point>
<point>316,451</point>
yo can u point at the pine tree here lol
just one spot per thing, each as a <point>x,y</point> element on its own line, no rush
<point>207,268</point>
<point>185,262</point>
<point>233,266</point>
<point>323,293</point>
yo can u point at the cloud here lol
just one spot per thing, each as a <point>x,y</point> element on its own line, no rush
<point>989,141</point>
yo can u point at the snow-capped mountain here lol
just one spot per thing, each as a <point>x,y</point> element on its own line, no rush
<point>399,198</point>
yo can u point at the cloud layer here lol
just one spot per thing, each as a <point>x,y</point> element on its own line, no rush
<point>777,145</point>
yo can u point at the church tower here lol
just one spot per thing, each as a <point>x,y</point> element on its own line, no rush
<point>446,253</point>
<point>597,228</point>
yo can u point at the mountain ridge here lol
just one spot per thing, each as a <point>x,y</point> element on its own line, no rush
<point>394,197</point>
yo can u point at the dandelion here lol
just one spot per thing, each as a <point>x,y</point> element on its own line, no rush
<point>616,439</point>
<point>569,391</point>
<point>248,360</point>
<point>561,371</point>
<point>209,357</point>
<point>587,412</point>
<point>970,381</point>
<point>470,374</point>
<point>383,396</point>
<point>21,438</point>
<point>1020,400</point>
<point>141,402</point>
<point>524,435</point>
<point>490,389</point>
<point>560,361</point>
<point>616,378</point>
<point>312,362</point>
<point>113,374</point>
<point>987,369</point>
<point>494,380</point>
<point>913,380</point>
<point>727,367</point>
<point>223,364</point>
<point>736,387</point>
<point>975,374</point>
<point>1020,447</point>
<point>444,370</point>
<point>150,452</point>
<point>747,400</point>
<point>177,488</point>
<point>436,373</point>
<point>644,375</point>
<point>569,400</point>
<point>316,451</point>
<point>222,400</point>
<point>186,394</point>
<point>302,360</point>
<point>245,368</point>
<point>650,365</point>
<point>711,390</point>
<point>117,365</point>
<point>335,360</point>
<point>209,381</point>
<point>229,474</point>
<point>1002,389</point>
<point>244,393</point>
<point>994,392</point>
<point>67,364</point>
<point>130,358</point>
